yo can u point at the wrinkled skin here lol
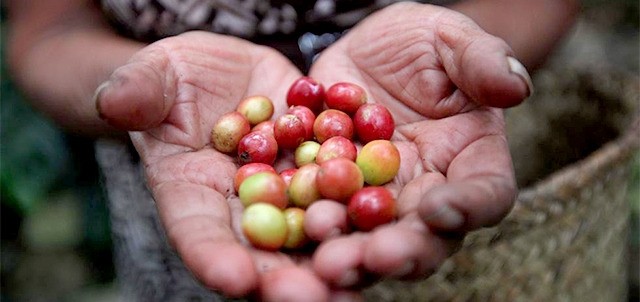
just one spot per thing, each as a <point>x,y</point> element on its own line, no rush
<point>436,72</point>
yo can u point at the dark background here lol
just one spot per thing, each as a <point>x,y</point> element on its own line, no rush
<point>56,244</point>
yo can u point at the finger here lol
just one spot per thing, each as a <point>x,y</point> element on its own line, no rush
<point>138,95</point>
<point>325,219</point>
<point>481,65</point>
<point>216,71</point>
<point>266,261</point>
<point>197,220</point>
<point>404,250</point>
<point>338,260</point>
<point>411,195</point>
<point>480,188</point>
<point>292,284</point>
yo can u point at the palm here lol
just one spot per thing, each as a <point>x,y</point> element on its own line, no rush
<point>203,77</point>
<point>449,142</point>
<point>435,118</point>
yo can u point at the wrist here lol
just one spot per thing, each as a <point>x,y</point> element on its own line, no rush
<point>60,73</point>
<point>532,28</point>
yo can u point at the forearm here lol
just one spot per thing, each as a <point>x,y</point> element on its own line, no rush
<point>532,28</point>
<point>59,55</point>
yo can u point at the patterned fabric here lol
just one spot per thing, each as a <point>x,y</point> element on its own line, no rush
<point>152,19</point>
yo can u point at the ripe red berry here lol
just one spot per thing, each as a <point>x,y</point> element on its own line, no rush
<point>307,117</point>
<point>346,97</point>
<point>371,207</point>
<point>257,147</point>
<point>338,179</point>
<point>373,121</point>
<point>332,123</point>
<point>288,131</point>
<point>264,126</point>
<point>306,92</point>
<point>337,146</point>
<point>287,174</point>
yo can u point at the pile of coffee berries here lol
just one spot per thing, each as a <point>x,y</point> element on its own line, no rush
<point>328,165</point>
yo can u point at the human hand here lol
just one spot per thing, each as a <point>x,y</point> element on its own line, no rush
<point>441,76</point>
<point>170,94</point>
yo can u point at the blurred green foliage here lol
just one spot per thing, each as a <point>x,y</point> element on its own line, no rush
<point>52,203</point>
<point>34,155</point>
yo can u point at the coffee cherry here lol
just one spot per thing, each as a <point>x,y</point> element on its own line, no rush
<point>296,238</point>
<point>346,97</point>
<point>379,161</point>
<point>228,131</point>
<point>303,189</point>
<point>373,121</point>
<point>335,147</point>
<point>306,153</point>
<point>265,226</point>
<point>266,126</point>
<point>371,207</point>
<point>256,109</point>
<point>339,178</point>
<point>306,92</point>
<point>287,174</point>
<point>257,147</point>
<point>264,187</point>
<point>332,123</point>
<point>248,170</point>
<point>289,131</point>
<point>307,117</point>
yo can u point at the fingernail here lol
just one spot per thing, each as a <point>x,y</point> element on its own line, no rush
<point>349,278</point>
<point>516,67</point>
<point>404,270</point>
<point>96,97</point>
<point>445,218</point>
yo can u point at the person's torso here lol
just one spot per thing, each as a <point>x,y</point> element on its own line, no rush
<point>288,26</point>
<point>153,19</point>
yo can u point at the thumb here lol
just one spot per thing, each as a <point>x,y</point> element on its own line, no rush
<point>482,65</point>
<point>138,95</point>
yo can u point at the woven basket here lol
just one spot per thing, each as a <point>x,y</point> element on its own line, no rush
<point>566,237</point>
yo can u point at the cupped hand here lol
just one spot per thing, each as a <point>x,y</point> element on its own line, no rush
<point>442,78</point>
<point>169,95</point>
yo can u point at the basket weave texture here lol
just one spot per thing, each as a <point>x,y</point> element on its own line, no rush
<point>564,240</point>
